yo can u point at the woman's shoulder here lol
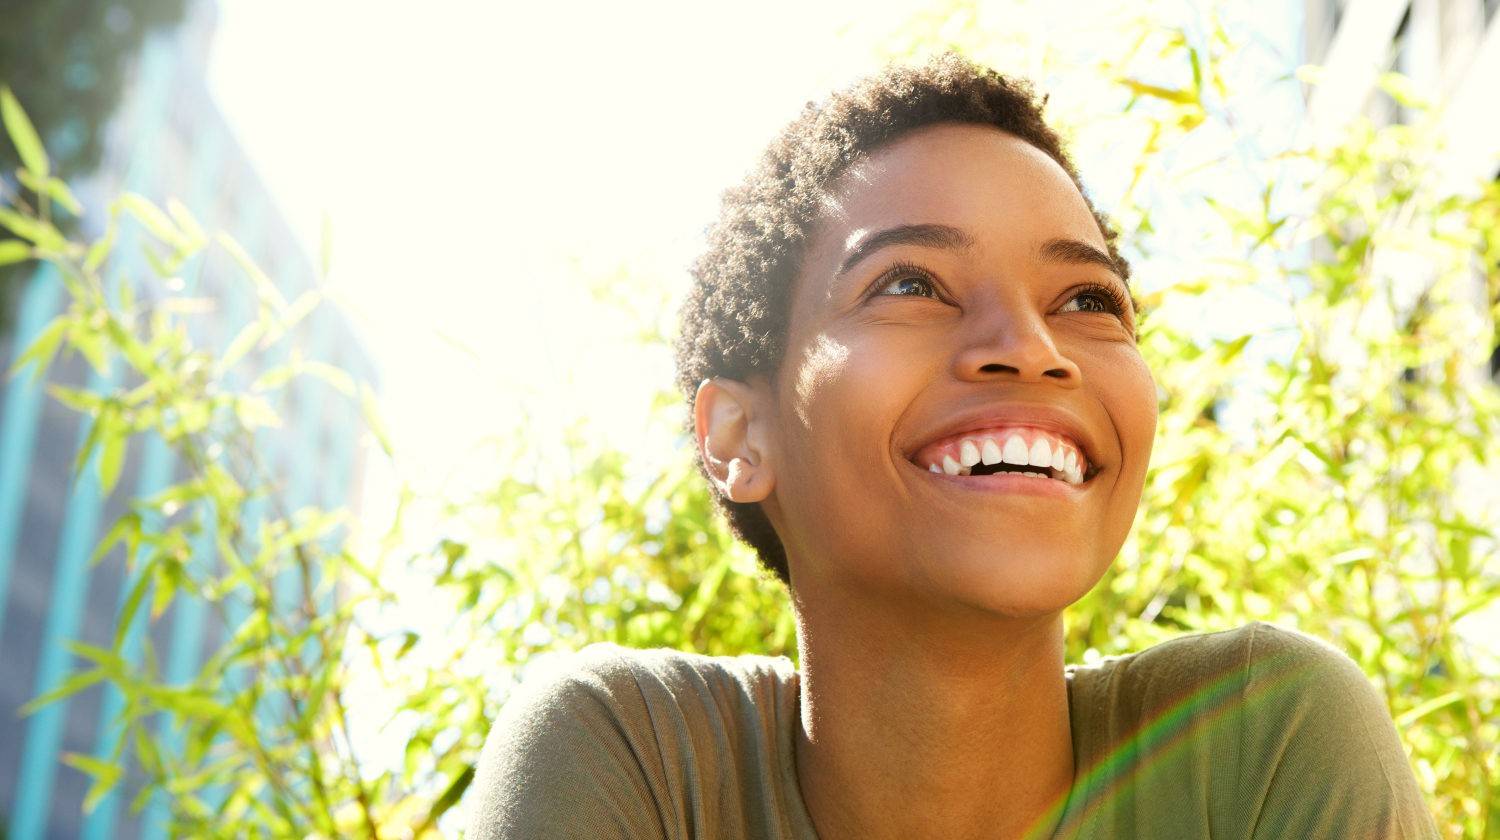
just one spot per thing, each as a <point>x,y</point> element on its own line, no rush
<point>1233,656</point>
<point>612,675</point>
<point>1252,683</point>
<point>1260,725</point>
<point>593,737</point>
<point>1218,643</point>
<point>605,687</point>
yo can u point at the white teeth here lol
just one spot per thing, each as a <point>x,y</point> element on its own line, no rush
<point>1064,463</point>
<point>1015,451</point>
<point>1072,468</point>
<point>1041,453</point>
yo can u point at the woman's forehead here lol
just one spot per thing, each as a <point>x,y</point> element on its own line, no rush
<point>972,177</point>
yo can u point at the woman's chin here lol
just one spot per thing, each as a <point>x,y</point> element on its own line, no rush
<point>1015,583</point>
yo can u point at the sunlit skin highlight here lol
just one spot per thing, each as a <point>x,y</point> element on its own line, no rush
<point>957,281</point>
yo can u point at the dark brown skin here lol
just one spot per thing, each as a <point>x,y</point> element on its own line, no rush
<point>929,607</point>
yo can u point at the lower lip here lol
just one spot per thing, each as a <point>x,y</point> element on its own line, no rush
<point>1016,483</point>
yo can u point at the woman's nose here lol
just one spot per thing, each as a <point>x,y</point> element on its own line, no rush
<point>1013,345</point>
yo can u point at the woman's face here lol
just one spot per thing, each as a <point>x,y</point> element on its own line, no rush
<point>954,308</point>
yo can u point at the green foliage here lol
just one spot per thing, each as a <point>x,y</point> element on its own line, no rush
<point>1316,468</point>
<point>23,135</point>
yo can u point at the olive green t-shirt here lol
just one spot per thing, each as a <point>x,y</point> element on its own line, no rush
<point>1251,733</point>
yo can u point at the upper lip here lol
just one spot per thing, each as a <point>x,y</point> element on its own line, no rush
<point>1034,415</point>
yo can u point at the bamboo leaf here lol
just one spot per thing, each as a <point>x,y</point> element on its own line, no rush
<point>13,251</point>
<point>333,375</point>
<point>41,234</point>
<point>274,378</point>
<point>165,577</point>
<point>270,297</point>
<point>312,525</point>
<point>129,346</point>
<point>127,529</point>
<point>240,345</point>
<point>317,696</point>
<point>164,266</point>
<point>131,606</point>
<point>87,340</point>
<point>43,348</point>
<point>112,456</point>
<point>1417,713</point>
<point>23,135</point>
<point>104,773</point>
<point>300,308</point>
<point>70,686</point>
<point>1177,95</point>
<point>150,757</point>
<point>100,249</point>
<point>186,222</point>
<point>63,195</point>
<point>254,412</point>
<point>449,797</point>
<point>104,658</point>
<point>52,188</point>
<point>156,222</point>
<point>85,402</point>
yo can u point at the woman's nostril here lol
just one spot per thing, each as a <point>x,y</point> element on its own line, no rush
<point>995,367</point>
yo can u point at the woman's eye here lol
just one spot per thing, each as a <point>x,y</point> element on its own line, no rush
<point>909,285</point>
<point>1095,300</point>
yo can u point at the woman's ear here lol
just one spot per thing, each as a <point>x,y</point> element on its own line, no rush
<point>729,418</point>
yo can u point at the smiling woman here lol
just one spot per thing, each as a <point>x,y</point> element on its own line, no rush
<point>910,352</point>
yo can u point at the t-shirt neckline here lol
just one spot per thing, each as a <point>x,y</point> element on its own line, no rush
<point>788,713</point>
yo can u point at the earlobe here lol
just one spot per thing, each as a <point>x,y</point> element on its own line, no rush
<point>727,420</point>
<point>744,482</point>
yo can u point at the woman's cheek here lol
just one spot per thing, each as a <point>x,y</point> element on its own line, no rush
<point>819,369</point>
<point>1135,407</point>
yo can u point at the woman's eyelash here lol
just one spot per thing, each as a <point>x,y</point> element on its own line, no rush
<point>1116,300</point>
<point>904,271</point>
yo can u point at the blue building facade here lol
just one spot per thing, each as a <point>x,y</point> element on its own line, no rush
<point>167,140</point>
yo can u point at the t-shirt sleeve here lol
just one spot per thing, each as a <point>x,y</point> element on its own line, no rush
<point>562,759</point>
<point>1319,751</point>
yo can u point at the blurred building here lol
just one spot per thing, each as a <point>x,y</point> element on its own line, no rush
<point>1450,49</point>
<point>167,139</point>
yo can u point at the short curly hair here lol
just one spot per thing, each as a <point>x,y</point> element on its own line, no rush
<point>734,319</point>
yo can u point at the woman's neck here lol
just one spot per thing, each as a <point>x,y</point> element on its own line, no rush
<point>930,726</point>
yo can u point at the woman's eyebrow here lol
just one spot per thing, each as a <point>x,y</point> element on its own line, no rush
<point>929,235</point>
<point>1075,251</point>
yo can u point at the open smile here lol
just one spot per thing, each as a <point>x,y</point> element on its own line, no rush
<point>1016,452</point>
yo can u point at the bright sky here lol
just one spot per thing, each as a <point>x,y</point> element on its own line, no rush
<point>481,163</point>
